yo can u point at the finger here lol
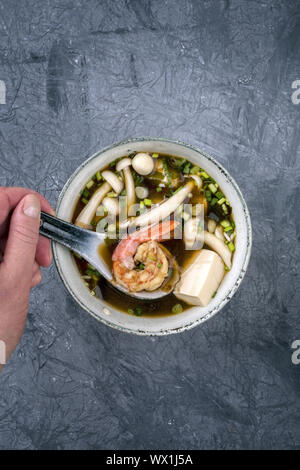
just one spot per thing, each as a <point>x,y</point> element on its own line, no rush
<point>22,241</point>
<point>43,254</point>
<point>35,269</point>
<point>10,197</point>
<point>4,210</point>
<point>37,278</point>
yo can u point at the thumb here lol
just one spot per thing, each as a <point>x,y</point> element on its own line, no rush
<point>22,240</point>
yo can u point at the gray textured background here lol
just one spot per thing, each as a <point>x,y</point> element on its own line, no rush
<point>81,75</point>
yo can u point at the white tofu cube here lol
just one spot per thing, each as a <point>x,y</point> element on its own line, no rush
<point>201,280</point>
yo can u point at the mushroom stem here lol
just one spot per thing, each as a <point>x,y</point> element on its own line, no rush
<point>130,188</point>
<point>162,211</point>
<point>86,215</point>
<point>219,247</point>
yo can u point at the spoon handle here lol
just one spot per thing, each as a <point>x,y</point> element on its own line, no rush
<point>73,237</point>
<point>86,243</point>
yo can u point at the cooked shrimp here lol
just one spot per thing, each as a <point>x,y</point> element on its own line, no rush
<point>142,247</point>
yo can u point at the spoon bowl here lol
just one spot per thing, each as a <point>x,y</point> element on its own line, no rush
<point>86,244</point>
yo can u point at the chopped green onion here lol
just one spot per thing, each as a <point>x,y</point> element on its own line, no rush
<point>186,168</point>
<point>178,162</point>
<point>147,202</point>
<point>158,189</point>
<point>219,195</point>
<point>226,229</point>
<point>226,268</point>
<point>85,201</point>
<point>225,210</point>
<point>138,311</point>
<point>142,204</point>
<point>130,311</point>
<point>221,201</point>
<point>85,193</point>
<point>92,272</point>
<point>195,170</point>
<point>111,194</point>
<point>177,308</point>
<point>231,246</point>
<point>90,184</point>
<point>214,294</point>
<point>204,175</point>
<point>155,155</point>
<point>98,176</point>
<point>159,265</point>
<point>225,223</point>
<point>208,195</point>
<point>213,201</point>
<point>212,187</point>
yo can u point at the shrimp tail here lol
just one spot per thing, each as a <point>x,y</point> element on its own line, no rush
<point>156,232</point>
<point>127,247</point>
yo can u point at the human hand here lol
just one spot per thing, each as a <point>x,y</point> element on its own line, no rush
<point>22,253</point>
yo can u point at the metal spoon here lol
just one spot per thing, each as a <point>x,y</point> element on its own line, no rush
<point>86,243</point>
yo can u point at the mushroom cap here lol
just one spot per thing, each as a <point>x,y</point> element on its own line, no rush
<point>197,180</point>
<point>141,192</point>
<point>113,180</point>
<point>112,205</point>
<point>124,163</point>
<point>143,163</point>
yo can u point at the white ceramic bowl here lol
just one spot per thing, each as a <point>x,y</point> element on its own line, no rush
<point>157,325</point>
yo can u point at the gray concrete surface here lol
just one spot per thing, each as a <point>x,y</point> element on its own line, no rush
<point>81,75</point>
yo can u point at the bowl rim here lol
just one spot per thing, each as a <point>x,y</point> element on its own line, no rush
<point>243,269</point>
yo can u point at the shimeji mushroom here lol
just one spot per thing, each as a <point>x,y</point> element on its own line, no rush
<point>143,164</point>
<point>87,214</point>
<point>211,225</point>
<point>115,182</point>
<point>124,166</point>
<point>112,206</point>
<point>162,211</point>
<point>219,246</point>
<point>193,237</point>
<point>142,192</point>
<point>197,180</point>
<point>194,240</point>
<point>219,232</point>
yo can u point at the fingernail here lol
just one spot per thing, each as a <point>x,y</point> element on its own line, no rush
<point>31,206</point>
